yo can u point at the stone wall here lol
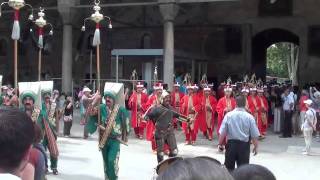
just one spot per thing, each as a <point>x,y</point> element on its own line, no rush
<point>193,26</point>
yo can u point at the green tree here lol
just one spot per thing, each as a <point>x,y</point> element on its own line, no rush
<point>277,57</point>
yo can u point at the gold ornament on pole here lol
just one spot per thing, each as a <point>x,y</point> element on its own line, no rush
<point>97,18</point>
<point>41,24</point>
<point>17,5</point>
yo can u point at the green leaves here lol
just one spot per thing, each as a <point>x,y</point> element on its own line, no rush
<point>277,57</point>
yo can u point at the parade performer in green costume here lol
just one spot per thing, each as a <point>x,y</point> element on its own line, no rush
<point>30,99</point>
<point>48,123</point>
<point>30,102</point>
<point>113,125</point>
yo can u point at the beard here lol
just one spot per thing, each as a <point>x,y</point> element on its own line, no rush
<point>109,103</point>
<point>28,107</point>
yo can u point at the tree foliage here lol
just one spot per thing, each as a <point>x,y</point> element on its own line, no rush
<point>277,59</point>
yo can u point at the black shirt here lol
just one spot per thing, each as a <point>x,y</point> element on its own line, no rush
<point>68,112</point>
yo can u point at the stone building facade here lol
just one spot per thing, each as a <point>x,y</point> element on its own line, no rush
<point>221,38</point>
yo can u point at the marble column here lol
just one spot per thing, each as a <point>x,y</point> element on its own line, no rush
<point>67,59</point>
<point>169,11</point>
<point>67,14</point>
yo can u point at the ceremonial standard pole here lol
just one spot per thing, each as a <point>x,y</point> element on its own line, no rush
<point>17,5</point>
<point>41,24</point>
<point>97,17</point>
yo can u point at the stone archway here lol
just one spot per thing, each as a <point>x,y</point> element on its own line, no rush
<point>261,41</point>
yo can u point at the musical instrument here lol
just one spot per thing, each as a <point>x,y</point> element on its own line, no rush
<point>118,90</point>
<point>35,114</point>
<point>107,130</point>
<point>52,144</point>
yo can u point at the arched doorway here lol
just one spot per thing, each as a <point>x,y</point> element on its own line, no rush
<point>262,41</point>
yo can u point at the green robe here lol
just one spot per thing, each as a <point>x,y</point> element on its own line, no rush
<point>111,150</point>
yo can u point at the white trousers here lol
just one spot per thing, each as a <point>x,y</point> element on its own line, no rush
<point>308,139</point>
<point>302,114</point>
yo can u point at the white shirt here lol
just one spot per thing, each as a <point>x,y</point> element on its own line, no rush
<point>9,177</point>
<point>287,101</point>
<point>309,118</point>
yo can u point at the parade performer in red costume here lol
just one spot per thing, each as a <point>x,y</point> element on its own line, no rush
<point>263,113</point>
<point>137,104</point>
<point>225,104</point>
<point>190,107</point>
<point>176,97</point>
<point>208,109</point>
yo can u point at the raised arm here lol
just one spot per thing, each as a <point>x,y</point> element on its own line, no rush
<point>151,113</point>
<point>93,118</point>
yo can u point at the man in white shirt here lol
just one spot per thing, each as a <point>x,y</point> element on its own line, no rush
<point>288,107</point>
<point>309,125</point>
<point>16,137</point>
<point>240,128</point>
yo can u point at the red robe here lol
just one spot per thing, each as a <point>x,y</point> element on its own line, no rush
<point>185,111</point>
<point>221,106</point>
<point>254,106</point>
<point>200,94</point>
<point>133,105</point>
<point>176,104</point>
<point>150,125</point>
<point>263,115</point>
<point>203,116</point>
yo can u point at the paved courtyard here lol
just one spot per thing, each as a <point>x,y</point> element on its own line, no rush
<point>81,160</point>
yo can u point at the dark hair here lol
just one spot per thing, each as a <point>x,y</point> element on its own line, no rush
<point>210,159</point>
<point>195,168</point>
<point>252,172</point>
<point>16,136</point>
<point>241,101</point>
